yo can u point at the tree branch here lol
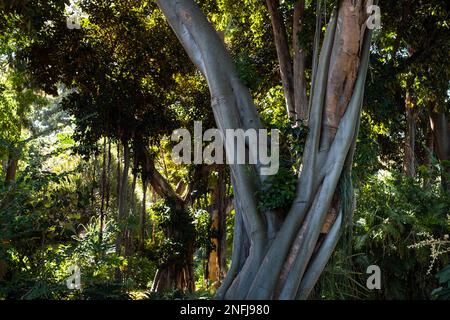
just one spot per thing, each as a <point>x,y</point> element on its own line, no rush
<point>231,101</point>
<point>161,186</point>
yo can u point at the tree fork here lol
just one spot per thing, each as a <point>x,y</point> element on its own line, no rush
<point>257,274</point>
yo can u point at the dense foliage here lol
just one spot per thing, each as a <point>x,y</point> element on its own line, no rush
<point>87,180</point>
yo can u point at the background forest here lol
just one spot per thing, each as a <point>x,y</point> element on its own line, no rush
<point>87,180</point>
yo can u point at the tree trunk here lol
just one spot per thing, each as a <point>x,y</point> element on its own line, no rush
<point>3,269</point>
<point>108,176</point>
<point>440,124</point>
<point>217,255</point>
<point>174,276</point>
<point>122,196</point>
<point>142,219</point>
<point>282,47</point>
<point>131,209</point>
<point>178,272</point>
<point>119,174</point>
<point>284,262</point>
<point>102,207</point>
<point>93,182</point>
<point>429,153</point>
<point>409,161</point>
<point>292,70</point>
<point>301,101</point>
<point>11,168</point>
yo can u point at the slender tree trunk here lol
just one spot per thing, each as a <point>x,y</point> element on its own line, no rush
<point>11,167</point>
<point>94,172</point>
<point>429,145</point>
<point>284,262</point>
<point>301,101</point>
<point>142,220</point>
<point>409,161</point>
<point>131,209</point>
<point>3,269</point>
<point>119,174</point>
<point>226,207</point>
<point>108,176</point>
<point>292,69</point>
<point>123,195</point>
<point>282,47</point>
<point>102,207</point>
<point>216,266</point>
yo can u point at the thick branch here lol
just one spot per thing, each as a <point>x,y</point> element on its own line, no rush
<point>320,259</point>
<point>267,277</point>
<point>231,101</point>
<point>344,66</point>
<point>158,182</point>
<point>336,159</point>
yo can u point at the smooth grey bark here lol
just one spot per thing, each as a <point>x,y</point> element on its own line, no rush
<point>316,47</point>
<point>283,265</point>
<point>233,108</point>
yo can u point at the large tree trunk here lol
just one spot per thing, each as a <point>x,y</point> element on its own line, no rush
<point>175,276</point>
<point>272,260</point>
<point>178,271</point>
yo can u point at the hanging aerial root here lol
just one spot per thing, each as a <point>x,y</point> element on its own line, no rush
<point>270,269</point>
<point>335,163</point>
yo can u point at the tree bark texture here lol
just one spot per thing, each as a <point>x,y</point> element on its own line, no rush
<point>284,261</point>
